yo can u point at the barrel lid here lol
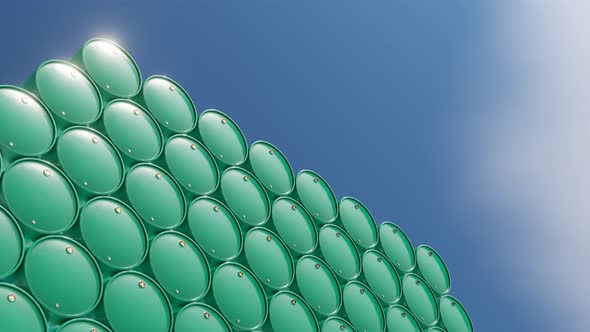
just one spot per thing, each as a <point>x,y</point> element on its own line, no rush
<point>272,168</point>
<point>269,258</point>
<point>239,296</point>
<point>358,222</point>
<point>40,196</point>
<point>133,130</point>
<point>192,164</point>
<point>135,302</point>
<point>318,285</point>
<point>19,311</point>
<point>362,307</point>
<point>179,266</point>
<point>113,233</point>
<point>397,247</point>
<point>200,317</point>
<point>317,196</point>
<point>156,196</point>
<point>111,67</point>
<point>11,244</point>
<point>454,316</point>
<point>170,104</point>
<point>289,312</point>
<point>435,329</point>
<point>294,225</point>
<point>401,319</point>
<point>420,299</point>
<point>83,325</point>
<point>244,195</point>
<point>337,324</point>
<point>223,137</point>
<point>75,285</point>
<point>68,92</point>
<point>339,251</point>
<point>382,277</point>
<point>215,228</point>
<point>90,160</point>
<point>26,126</point>
<point>433,269</point>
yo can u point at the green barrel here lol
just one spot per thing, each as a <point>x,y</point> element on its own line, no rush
<point>295,226</point>
<point>83,325</point>
<point>63,276</point>
<point>19,311</point>
<point>433,269</point>
<point>200,317</point>
<point>337,324</point>
<point>340,252</point>
<point>381,276</point>
<point>239,296</point>
<point>40,196</point>
<point>401,319</point>
<point>435,329</point>
<point>179,266</point>
<point>12,244</point>
<point>289,312</point>
<point>358,222</point>
<point>134,302</point>
<point>112,69</point>
<point>222,136</point>
<point>362,307</point>
<point>245,196</point>
<point>397,246</point>
<point>420,299</point>
<point>317,196</point>
<point>453,316</point>
<point>318,285</point>
<point>272,168</point>
<point>215,229</point>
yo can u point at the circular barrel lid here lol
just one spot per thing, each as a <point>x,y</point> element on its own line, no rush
<point>90,160</point>
<point>192,164</point>
<point>40,196</point>
<point>381,277</point>
<point>435,329</point>
<point>269,258</point>
<point>339,251</point>
<point>420,299</point>
<point>113,233</point>
<point>245,197</point>
<point>289,312</point>
<point>362,307</point>
<point>156,196</point>
<point>318,285</point>
<point>68,92</point>
<point>223,137</point>
<point>454,316</point>
<point>214,228</point>
<point>111,67</point>
<point>169,104</point>
<point>63,276</point>
<point>397,247</point>
<point>179,266</point>
<point>433,269</point>
<point>401,319</point>
<point>133,130</point>
<point>272,168</point>
<point>294,225</point>
<point>337,324</point>
<point>317,196</point>
<point>358,222</point>
<point>11,244</point>
<point>134,302</point>
<point>200,317</point>
<point>83,325</point>
<point>26,127</point>
<point>239,296</point>
<point>19,311</point>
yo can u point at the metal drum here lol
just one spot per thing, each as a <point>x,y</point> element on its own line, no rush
<point>294,225</point>
<point>269,258</point>
<point>83,325</point>
<point>272,168</point>
<point>453,315</point>
<point>318,285</point>
<point>244,195</point>
<point>382,277</point>
<point>420,299</point>
<point>317,196</point>
<point>19,311</point>
<point>433,269</point>
<point>200,317</point>
<point>222,136</point>
<point>337,324</point>
<point>340,252</point>
<point>11,244</point>
<point>289,312</point>
<point>358,223</point>
<point>401,319</point>
<point>397,247</point>
<point>362,307</point>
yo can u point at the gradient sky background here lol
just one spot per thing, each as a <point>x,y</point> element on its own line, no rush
<point>467,124</point>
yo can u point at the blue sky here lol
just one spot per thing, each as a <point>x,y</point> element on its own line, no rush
<point>466,124</point>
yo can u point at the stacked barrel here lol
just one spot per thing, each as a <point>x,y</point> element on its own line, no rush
<point>124,209</point>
